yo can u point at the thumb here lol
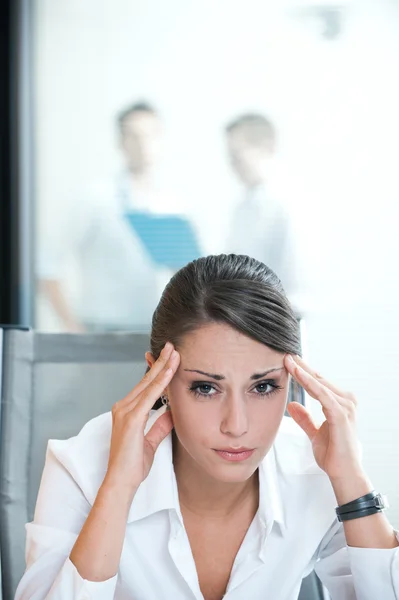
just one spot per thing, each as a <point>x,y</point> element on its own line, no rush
<point>161,428</point>
<point>302,416</point>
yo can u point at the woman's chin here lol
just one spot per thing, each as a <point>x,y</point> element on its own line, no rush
<point>233,472</point>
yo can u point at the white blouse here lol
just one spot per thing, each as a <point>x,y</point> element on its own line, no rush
<point>294,531</point>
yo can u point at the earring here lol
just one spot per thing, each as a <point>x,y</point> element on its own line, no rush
<point>165,401</point>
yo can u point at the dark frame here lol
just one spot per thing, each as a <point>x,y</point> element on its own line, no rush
<point>16,179</point>
<point>7,285</point>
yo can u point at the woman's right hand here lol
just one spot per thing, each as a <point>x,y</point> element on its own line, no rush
<point>132,452</point>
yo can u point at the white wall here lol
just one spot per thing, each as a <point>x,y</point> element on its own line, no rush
<point>335,105</point>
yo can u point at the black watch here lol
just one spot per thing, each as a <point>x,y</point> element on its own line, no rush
<point>370,504</point>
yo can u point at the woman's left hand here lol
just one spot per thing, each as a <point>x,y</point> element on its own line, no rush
<point>335,444</point>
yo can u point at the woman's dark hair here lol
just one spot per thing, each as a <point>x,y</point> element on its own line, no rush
<point>231,289</point>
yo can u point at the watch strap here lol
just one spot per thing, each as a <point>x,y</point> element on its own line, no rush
<point>366,505</point>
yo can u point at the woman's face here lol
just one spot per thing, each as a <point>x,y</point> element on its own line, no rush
<point>227,399</point>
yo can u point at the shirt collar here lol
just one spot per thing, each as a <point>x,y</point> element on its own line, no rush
<point>270,500</point>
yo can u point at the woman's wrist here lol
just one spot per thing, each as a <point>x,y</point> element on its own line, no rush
<point>96,553</point>
<point>118,491</point>
<point>350,488</point>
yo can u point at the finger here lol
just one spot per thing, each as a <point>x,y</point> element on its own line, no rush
<point>301,416</point>
<point>299,361</point>
<point>346,399</point>
<point>312,386</point>
<point>161,428</point>
<point>155,370</point>
<point>155,389</point>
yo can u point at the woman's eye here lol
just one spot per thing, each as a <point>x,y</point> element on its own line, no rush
<point>202,389</point>
<point>266,388</point>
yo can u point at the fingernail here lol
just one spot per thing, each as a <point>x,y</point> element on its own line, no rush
<point>167,347</point>
<point>290,359</point>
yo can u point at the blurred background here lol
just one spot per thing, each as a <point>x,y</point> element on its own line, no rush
<point>138,135</point>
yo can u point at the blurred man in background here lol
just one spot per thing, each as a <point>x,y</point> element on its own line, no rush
<point>118,283</point>
<point>260,226</point>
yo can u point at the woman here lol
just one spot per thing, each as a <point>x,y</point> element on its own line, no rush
<point>217,494</point>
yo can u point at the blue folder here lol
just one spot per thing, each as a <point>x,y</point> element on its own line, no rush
<point>170,240</point>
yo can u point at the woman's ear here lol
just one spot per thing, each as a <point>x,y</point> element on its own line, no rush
<point>149,359</point>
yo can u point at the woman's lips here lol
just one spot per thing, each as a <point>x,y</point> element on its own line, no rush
<point>235,455</point>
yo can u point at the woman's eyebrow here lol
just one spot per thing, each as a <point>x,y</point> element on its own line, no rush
<point>211,375</point>
<point>221,377</point>
<point>260,375</point>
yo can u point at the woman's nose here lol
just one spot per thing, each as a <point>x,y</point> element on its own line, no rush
<point>235,418</point>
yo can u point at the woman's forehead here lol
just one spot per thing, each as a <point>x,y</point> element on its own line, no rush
<point>220,341</point>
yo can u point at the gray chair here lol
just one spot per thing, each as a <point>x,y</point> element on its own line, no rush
<point>52,385</point>
<point>312,589</point>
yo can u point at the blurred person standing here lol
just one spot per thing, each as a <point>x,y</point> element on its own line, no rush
<point>261,226</point>
<point>117,280</point>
